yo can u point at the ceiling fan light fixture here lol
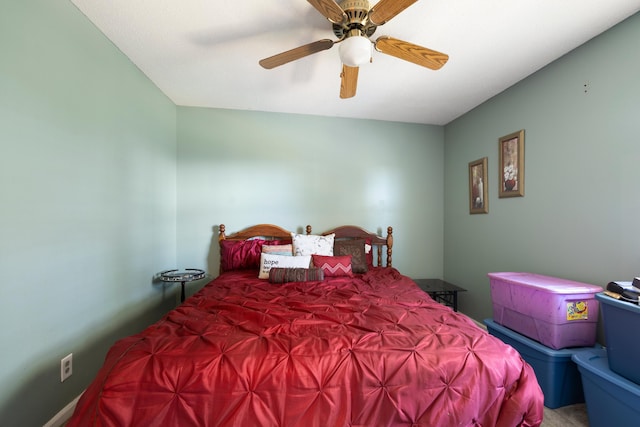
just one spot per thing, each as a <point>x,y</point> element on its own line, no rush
<point>355,51</point>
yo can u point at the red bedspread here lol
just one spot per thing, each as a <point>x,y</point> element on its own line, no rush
<point>367,351</point>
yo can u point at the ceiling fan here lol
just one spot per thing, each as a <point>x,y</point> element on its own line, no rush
<point>353,23</point>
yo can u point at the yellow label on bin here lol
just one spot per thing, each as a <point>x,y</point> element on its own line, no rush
<point>577,310</point>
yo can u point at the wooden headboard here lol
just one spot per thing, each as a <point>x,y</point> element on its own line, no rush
<point>355,232</point>
<point>270,231</point>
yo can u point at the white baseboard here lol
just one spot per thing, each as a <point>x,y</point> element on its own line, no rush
<point>64,415</point>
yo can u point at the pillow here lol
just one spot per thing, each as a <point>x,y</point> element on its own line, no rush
<point>333,265</point>
<point>310,244</point>
<point>368,249</point>
<point>243,254</point>
<point>240,254</point>
<point>278,249</point>
<point>268,261</point>
<point>355,248</point>
<point>285,275</point>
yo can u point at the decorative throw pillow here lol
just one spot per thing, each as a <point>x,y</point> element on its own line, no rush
<point>355,248</point>
<point>309,244</point>
<point>285,275</point>
<point>333,265</point>
<point>278,249</point>
<point>240,254</point>
<point>269,261</point>
<point>243,254</point>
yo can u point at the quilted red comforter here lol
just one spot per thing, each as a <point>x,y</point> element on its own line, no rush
<point>372,350</point>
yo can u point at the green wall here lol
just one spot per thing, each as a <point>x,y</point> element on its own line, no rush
<point>241,168</point>
<point>578,218</point>
<point>87,186</point>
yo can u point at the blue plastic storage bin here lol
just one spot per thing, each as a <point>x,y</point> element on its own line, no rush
<point>612,400</point>
<point>557,374</point>
<point>621,320</point>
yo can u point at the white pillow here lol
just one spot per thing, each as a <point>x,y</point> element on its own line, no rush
<point>269,261</point>
<point>304,244</point>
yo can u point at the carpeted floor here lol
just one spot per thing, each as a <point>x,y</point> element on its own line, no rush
<point>566,416</point>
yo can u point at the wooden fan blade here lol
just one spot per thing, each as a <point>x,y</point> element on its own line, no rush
<point>297,53</point>
<point>330,10</point>
<point>348,81</point>
<point>411,52</point>
<point>387,9</point>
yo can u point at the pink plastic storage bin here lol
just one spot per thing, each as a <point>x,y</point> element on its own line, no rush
<point>556,312</point>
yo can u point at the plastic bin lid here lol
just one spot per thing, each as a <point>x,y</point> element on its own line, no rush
<point>565,353</point>
<point>595,361</point>
<point>547,283</point>
<point>623,305</point>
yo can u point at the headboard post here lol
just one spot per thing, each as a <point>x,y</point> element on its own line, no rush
<point>389,245</point>
<point>221,235</point>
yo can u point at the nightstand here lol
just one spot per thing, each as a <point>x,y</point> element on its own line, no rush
<point>441,291</point>
<point>182,276</point>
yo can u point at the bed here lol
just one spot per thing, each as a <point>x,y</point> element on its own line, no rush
<point>334,344</point>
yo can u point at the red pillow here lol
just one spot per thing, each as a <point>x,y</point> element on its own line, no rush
<point>240,254</point>
<point>333,265</point>
<point>369,255</point>
<point>243,254</point>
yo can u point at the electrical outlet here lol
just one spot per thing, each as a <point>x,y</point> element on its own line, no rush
<point>66,367</point>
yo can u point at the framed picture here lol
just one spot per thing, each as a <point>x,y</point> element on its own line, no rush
<point>478,201</point>
<point>511,164</point>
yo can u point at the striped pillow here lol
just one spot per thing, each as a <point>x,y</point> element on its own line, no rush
<point>333,265</point>
<point>278,249</point>
<point>285,275</point>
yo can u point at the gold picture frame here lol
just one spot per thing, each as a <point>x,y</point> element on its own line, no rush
<point>511,165</point>
<point>478,188</point>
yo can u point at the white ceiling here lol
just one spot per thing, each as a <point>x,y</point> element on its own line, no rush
<point>205,53</point>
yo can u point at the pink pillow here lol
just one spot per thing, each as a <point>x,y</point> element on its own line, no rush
<point>333,265</point>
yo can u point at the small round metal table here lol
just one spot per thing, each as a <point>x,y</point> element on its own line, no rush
<point>182,276</point>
